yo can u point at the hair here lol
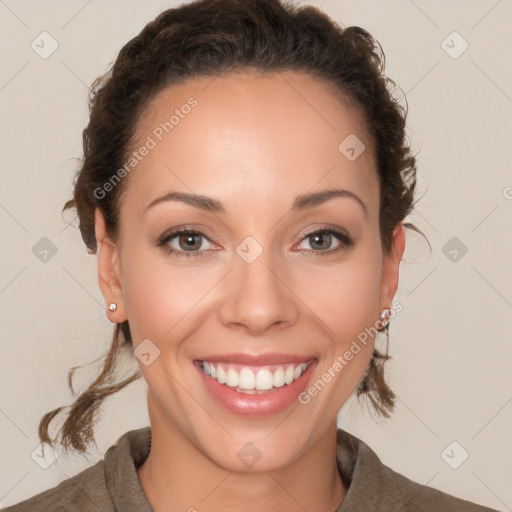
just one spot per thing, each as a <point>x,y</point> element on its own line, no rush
<point>211,38</point>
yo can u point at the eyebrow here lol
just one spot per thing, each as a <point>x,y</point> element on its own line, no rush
<point>213,205</point>
<point>317,198</point>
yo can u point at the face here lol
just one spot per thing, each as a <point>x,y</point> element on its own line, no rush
<point>248,261</point>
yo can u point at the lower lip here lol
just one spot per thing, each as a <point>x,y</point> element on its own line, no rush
<point>257,405</point>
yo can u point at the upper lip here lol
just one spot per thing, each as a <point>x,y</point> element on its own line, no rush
<point>256,359</point>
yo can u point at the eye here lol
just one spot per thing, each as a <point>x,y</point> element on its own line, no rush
<point>321,241</point>
<point>188,243</point>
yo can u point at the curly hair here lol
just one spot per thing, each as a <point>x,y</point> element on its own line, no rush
<point>211,38</point>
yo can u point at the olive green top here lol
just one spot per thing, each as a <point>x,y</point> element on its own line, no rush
<point>112,485</point>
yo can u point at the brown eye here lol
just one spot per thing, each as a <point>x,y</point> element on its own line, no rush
<point>185,242</point>
<point>322,241</point>
<point>189,242</point>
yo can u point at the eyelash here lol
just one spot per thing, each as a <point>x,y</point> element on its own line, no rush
<point>345,239</point>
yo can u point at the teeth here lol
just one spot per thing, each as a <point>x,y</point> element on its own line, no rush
<point>232,378</point>
<point>298,371</point>
<point>221,375</point>
<point>290,375</point>
<point>279,379</point>
<point>264,380</point>
<point>247,381</point>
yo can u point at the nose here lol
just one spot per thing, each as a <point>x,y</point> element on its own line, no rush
<point>257,297</point>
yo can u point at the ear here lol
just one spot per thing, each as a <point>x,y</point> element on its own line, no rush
<point>109,270</point>
<point>391,265</point>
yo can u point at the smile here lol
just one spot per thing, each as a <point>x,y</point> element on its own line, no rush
<point>255,385</point>
<point>254,379</point>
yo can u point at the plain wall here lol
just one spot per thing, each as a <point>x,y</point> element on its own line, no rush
<point>451,344</point>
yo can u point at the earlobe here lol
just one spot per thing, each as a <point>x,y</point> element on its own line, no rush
<point>109,277</point>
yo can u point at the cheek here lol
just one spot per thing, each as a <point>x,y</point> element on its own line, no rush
<point>344,296</point>
<point>159,295</point>
<point>346,299</point>
<point>162,297</point>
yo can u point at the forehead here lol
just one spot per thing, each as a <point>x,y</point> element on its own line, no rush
<point>254,135</point>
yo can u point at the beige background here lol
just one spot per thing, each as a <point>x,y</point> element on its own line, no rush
<point>451,343</point>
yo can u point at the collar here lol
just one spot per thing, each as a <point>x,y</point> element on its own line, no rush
<point>371,484</point>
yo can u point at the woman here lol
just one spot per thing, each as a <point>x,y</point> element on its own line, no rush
<point>245,183</point>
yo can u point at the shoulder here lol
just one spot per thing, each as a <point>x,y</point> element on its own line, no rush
<point>110,485</point>
<point>375,486</point>
<point>80,493</point>
<point>415,497</point>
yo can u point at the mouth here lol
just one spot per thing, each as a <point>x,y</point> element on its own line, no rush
<point>252,379</point>
<point>255,385</point>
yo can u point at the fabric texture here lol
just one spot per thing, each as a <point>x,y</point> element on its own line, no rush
<point>112,484</point>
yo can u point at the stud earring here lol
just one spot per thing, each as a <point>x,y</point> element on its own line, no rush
<point>385,315</point>
<point>112,307</point>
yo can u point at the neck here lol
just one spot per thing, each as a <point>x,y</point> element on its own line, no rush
<point>176,476</point>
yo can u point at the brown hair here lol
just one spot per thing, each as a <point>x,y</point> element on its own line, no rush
<point>208,38</point>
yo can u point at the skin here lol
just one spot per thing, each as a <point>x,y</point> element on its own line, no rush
<point>255,144</point>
